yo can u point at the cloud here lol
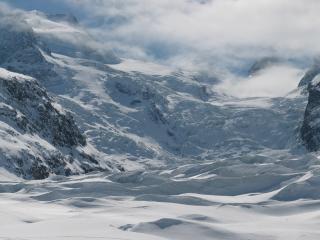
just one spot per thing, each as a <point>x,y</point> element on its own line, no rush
<point>61,36</point>
<point>212,35</point>
<point>276,81</point>
<point>198,30</point>
<point>166,29</point>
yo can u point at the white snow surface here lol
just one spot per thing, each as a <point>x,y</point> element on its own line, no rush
<point>132,65</point>
<point>5,74</point>
<point>194,160</point>
<point>198,164</point>
<point>238,172</point>
<point>96,207</point>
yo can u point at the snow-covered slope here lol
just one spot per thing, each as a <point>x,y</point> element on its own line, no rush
<point>145,115</point>
<point>179,155</point>
<point>138,115</point>
<point>38,138</point>
<point>63,35</point>
<point>21,51</point>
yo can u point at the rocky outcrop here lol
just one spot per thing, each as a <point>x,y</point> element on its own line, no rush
<point>38,114</point>
<point>14,38</point>
<point>38,138</point>
<point>310,75</point>
<point>307,81</point>
<point>310,131</point>
<point>263,64</point>
<point>21,51</point>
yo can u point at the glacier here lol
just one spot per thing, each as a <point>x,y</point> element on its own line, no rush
<point>97,146</point>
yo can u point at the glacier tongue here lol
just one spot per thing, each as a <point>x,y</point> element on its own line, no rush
<point>207,142</point>
<point>167,153</point>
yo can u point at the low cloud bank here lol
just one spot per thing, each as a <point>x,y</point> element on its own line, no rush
<point>204,35</point>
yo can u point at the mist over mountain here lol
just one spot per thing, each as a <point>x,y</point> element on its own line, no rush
<point>159,120</point>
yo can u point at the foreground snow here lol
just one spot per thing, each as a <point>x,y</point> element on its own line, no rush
<point>185,155</point>
<point>100,207</point>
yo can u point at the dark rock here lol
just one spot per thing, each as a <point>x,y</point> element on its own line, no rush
<point>39,115</point>
<point>39,172</point>
<point>20,50</point>
<point>14,38</point>
<point>310,75</point>
<point>156,114</point>
<point>89,157</point>
<point>28,108</point>
<point>310,130</point>
<point>263,64</point>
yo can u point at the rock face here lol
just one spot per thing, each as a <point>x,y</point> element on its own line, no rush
<point>37,138</point>
<point>310,75</point>
<point>144,114</point>
<point>262,64</point>
<point>14,39</point>
<point>20,50</point>
<point>310,131</point>
<point>37,113</point>
<point>74,42</point>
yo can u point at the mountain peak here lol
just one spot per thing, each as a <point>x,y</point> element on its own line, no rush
<point>63,17</point>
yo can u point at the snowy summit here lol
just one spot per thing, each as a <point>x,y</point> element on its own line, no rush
<point>154,120</point>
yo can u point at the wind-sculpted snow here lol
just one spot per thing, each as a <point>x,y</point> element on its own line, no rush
<point>173,116</point>
<point>166,116</point>
<point>100,206</point>
<point>175,156</point>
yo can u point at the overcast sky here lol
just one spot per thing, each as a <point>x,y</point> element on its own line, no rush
<point>167,29</point>
<point>198,33</point>
<point>214,34</point>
